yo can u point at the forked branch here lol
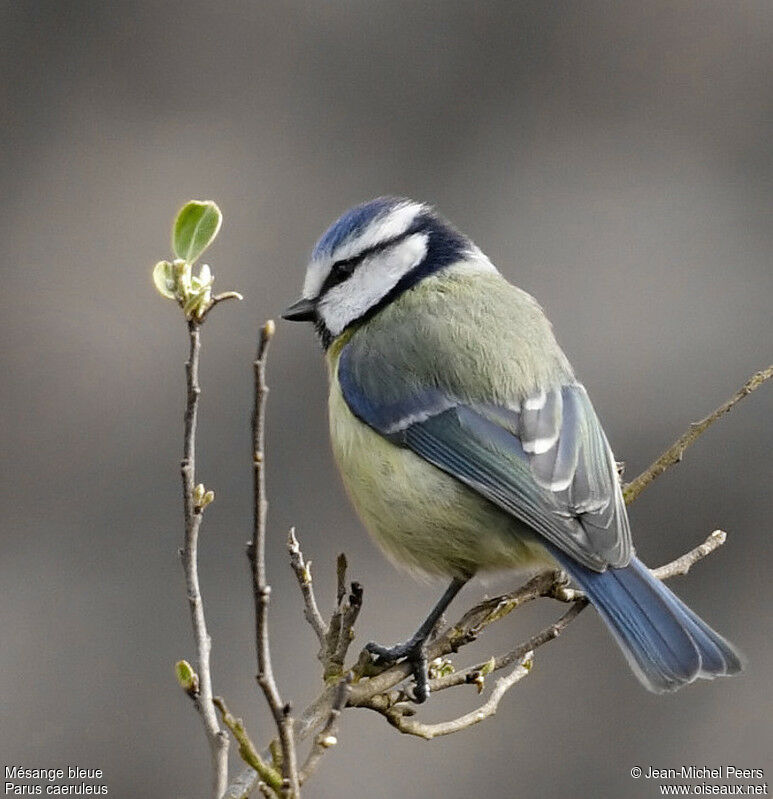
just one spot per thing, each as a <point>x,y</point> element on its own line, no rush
<point>392,704</point>
<point>402,720</point>
<point>302,570</point>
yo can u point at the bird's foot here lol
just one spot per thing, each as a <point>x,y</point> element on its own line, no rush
<point>415,655</point>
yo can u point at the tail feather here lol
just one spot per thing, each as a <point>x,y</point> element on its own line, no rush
<point>666,644</point>
<point>729,660</point>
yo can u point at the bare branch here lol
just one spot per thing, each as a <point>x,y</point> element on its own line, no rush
<point>217,299</point>
<point>243,785</point>
<point>326,738</point>
<point>202,698</point>
<point>403,722</point>
<point>340,631</point>
<point>334,628</point>
<point>350,610</point>
<point>479,617</point>
<point>474,674</point>
<point>686,562</point>
<point>341,567</point>
<point>316,712</point>
<point>247,750</point>
<point>372,690</point>
<point>302,569</point>
<point>256,551</point>
<point>675,452</point>
<point>463,632</point>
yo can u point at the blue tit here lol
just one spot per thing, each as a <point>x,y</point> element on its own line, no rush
<point>465,441</point>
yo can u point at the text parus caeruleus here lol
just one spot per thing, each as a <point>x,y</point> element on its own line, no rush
<point>465,441</point>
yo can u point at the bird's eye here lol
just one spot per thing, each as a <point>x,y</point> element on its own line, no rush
<point>343,269</point>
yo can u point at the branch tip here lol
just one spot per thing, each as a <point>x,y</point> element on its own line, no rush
<point>675,452</point>
<point>302,570</point>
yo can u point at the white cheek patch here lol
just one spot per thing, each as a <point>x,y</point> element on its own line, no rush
<point>373,279</point>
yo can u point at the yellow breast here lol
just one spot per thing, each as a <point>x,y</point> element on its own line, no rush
<point>421,517</point>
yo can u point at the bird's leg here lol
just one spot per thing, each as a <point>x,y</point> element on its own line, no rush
<point>413,649</point>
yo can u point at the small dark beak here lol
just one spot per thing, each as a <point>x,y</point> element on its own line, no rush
<point>301,311</point>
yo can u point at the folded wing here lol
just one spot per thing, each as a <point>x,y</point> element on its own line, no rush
<point>542,458</point>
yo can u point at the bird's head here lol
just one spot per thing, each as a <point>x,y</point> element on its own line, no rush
<point>370,256</point>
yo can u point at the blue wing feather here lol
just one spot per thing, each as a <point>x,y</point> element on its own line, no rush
<point>490,459</point>
<point>565,487</point>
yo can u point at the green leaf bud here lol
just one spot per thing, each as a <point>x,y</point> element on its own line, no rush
<point>164,279</point>
<point>195,228</point>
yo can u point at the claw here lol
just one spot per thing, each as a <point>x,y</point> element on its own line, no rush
<point>420,676</point>
<point>414,654</point>
<point>413,649</point>
<point>391,654</point>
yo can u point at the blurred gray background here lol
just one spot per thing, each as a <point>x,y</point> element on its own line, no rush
<point>614,159</point>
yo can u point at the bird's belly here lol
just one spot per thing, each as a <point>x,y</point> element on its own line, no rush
<point>421,517</point>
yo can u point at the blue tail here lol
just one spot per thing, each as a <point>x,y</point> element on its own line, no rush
<point>665,643</point>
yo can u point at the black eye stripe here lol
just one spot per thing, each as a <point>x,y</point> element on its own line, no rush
<point>339,272</point>
<point>343,269</point>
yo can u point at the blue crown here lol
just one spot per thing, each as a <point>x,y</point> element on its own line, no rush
<point>352,223</point>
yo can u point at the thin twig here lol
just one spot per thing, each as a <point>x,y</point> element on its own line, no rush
<point>399,719</point>
<point>340,632</point>
<point>350,610</point>
<point>474,674</point>
<point>302,569</point>
<point>315,713</point>
<point>675,452</point>
<point>463,632</point>
<point>247,750</point>
<point>218,298</point>
<point>686,562</point>
<point>333,630</point>
<point>243,784</point>
<point>256,552</point>
<point>217,738</point>
<point>326,737</point>
<point>341,567</point>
